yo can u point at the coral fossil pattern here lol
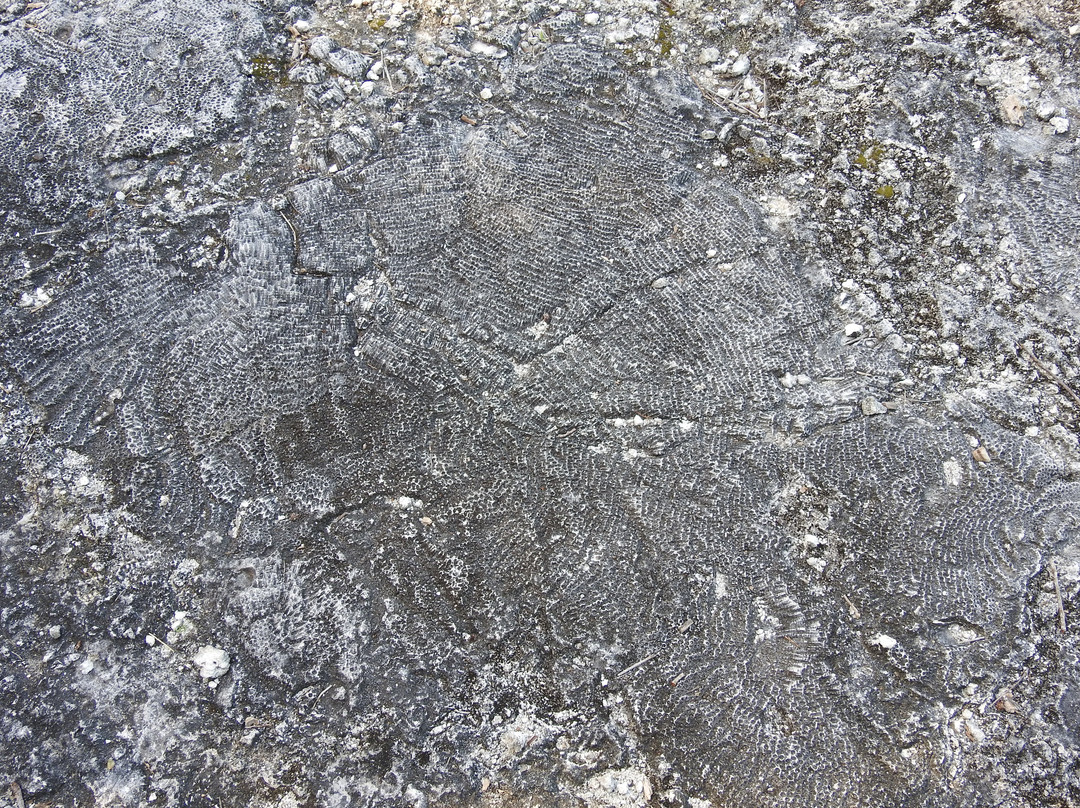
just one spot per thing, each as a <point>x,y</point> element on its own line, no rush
<point>505,459</point>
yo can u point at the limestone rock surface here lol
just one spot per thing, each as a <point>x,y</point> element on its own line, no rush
<point>519,404</point>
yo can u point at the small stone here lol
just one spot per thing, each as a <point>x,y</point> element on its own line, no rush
<point>307,73</point>
<point>54,632</point>
<point>1060,125</point>
<point>708,134</point>
<point>212,663</point>
<point>592,18</point>
<point>1012,111</point>
<point>981,455</point>
<point>1045,111</point>
<point>708,56</point>
<point>883,641</point>
<point>433,56</point>
<point>871,406</point>
<point>302,26</point>
<point>348,63</point>
<point>1005,704</point>
<point>486,93</point>
<point>321,47</point>
<point>741,66</point>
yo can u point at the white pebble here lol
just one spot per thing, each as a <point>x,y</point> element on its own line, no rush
<point>708,56</point>
<point>213,663</point>
<point>592,18</point>
<point>486,93</point>
<point>884,641</point>
<point>871,406</point>
<point>1061,125</point>
<point>1045,111</point>
<point>741,66</point>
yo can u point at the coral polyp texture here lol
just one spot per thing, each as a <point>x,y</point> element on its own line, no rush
<point>539,405</point>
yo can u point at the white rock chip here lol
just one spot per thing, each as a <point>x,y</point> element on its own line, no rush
<point>213,663</point>
<point>1045,111</point>
<point>709,56</point>
<point>884,641</point>
<point>871,406</point>
<point>741,66</point>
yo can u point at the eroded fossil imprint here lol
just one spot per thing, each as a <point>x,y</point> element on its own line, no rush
<point>519,450</point>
